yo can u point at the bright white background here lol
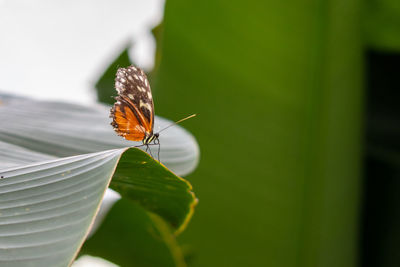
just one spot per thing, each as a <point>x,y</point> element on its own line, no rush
<point>56,50</point>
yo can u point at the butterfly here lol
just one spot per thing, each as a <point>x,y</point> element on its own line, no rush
<point>133,112</point>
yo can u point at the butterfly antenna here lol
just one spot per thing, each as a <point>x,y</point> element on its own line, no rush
<point>172,124</point>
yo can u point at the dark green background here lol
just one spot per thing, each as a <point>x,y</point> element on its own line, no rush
<point>277,86</point>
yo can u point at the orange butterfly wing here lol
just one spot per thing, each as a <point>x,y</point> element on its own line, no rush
<point>133,111</point>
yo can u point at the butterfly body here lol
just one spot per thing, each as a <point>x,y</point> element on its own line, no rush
<point>151,138</point>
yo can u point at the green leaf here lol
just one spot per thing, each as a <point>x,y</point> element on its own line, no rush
<point>278,90</point>
<point>382,24</point>
<point>157,32</point>
<point>142,179</point>
<point>40,132</point>
<point>105,85</point>
<point>125,223</point>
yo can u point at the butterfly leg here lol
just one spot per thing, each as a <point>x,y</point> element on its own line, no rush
<point>159,147</point>
<point>149,150</point>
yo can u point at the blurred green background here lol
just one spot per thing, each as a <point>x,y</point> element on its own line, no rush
<point>298,128</point>
<point>278,89</point>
